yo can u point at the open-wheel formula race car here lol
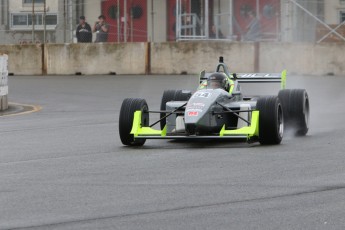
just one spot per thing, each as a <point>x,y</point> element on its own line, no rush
<point>218,109</point>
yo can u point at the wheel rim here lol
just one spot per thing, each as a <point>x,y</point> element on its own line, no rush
<point>280,121</point>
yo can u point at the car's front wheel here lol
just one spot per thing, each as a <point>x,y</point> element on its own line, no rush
<point>271,120</point>
<point>128,108</point>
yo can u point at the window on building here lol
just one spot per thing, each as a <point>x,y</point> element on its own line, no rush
<point>342,16</point>
<point>342,2</point>
<point>30,1</point>
<point>24,21</point>
<point>19,20</point>
<point>51,20</point>
<point>38,19</point>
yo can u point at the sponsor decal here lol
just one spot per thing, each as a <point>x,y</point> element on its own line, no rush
<point>199,110</point>
<point>193,113</point>
<point>195,106</point>
<point>202,95</point>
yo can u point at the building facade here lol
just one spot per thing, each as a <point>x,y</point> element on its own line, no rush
<point>22,21</point>
<point>335,11</point>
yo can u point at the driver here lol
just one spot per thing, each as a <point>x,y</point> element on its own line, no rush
<point>218,81</point>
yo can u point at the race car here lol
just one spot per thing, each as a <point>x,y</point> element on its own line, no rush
<point>218,109</point>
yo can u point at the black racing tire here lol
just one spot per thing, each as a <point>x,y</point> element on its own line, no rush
<point>129,106</point>
<point>172,95</point>
<point>296,110</point>
<point>271,120</point>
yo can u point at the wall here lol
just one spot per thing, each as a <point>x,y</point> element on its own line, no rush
<point>223,7</point>
<point>18,6</point>
<point>24,33</point>
<point>159,20</point>
<point>92,58</point>
<point>23,60</point>
<point>175,58</point>
<point>92,9</point>
<point>332,8</point>
<point>303,58</point>
<point>193,57</point>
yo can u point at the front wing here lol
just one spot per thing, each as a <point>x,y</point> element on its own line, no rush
<point>249,132</point>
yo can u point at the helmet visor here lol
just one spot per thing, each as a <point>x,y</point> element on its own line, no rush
<point>214,84</point>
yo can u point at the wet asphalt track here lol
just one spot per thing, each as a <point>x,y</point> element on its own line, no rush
<point>65,168</point>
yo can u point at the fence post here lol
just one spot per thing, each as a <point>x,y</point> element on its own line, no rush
<point>257,57</point>
<point>148,58</point>
<point>44,62</point>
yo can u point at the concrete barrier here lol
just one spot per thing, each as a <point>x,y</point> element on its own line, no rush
<point>174,58</point>
<point>3,82</point>
<point>91,58</point>
<point>193,57</point>
<point>314,59</point>
<point>23,59</point>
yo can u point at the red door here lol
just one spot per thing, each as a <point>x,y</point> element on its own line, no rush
<point>171,28</point>
<point>172,17</point>
<point>268,15</point>
<point>135,29</point>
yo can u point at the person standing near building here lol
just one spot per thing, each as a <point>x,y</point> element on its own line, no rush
<point>83,33</point>
<point>101,29</point>
<point>253,28</point>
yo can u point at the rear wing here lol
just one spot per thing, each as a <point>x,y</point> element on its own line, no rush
<point>253,77</point>
<point>262,78</point>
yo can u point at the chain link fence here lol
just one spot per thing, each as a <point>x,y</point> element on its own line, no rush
<point>56,21</point>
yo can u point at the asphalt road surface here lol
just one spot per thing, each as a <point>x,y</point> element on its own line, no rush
<point>65,168</point>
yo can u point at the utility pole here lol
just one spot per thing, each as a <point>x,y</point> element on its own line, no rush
<point>33,21</point>
<point>44,22</point>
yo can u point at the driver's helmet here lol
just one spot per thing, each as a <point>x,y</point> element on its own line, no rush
<point>218,81</point>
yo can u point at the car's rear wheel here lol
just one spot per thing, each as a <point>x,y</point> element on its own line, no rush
<point>128,108</point>
<point>296,110</point>
<point>172,95</point>
<point>271,120</point>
